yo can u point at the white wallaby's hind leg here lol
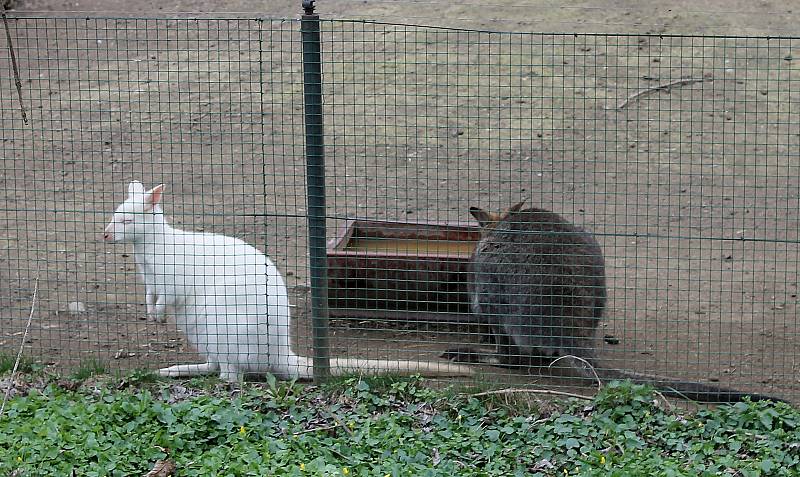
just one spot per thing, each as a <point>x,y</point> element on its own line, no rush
<point>293,367</point>
<point>230,373</point>
<point>188,370</point>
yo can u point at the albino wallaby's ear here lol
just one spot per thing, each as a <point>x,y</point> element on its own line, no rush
<point>484,218</point>
<point>153,197</point>
<point>515,207</point>
<point>135,187</point>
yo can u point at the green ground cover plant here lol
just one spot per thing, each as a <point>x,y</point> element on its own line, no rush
<point>106,425</point>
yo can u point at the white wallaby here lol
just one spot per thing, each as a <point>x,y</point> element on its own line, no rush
<point>227,297</point>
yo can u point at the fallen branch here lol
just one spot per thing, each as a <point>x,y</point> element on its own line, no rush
<point>21,346</point>
<point>342,424</point>
<point>339,423</point>
<point>660,87</point>
<point>14,66</point>
<point>533,391</point>
<point>663,398</point>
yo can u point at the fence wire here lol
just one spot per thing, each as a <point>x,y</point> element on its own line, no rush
<point>679,154</point>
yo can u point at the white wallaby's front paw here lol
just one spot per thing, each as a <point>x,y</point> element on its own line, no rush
<point>158,318</point>
<point>157,315</point>
<point>151,313</point>
<point>151,300</point>
<point>157,311</point>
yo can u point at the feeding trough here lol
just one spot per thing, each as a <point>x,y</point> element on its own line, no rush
<point>400,270</point>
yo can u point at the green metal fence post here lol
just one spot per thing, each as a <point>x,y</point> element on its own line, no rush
<point>315,183</point>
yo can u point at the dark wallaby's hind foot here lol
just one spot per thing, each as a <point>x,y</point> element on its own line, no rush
<point>473,355</point>
<point>467,354</point>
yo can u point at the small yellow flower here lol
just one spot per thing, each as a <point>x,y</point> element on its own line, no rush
<point>242,430</point>
<point>345,470</point>
<point>602,460</point>
<point>302,466</point>
<point>565,472</point>
<point>19,458</point>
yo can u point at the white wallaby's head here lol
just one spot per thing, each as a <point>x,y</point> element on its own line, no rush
<point>138,216</point>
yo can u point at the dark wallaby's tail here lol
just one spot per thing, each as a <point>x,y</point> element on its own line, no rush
<point>691,390</point>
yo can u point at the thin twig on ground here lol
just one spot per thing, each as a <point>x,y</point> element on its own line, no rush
<point>342,424</point>
<point>664,399</point>
<point>660,87</point>
<point>533,391</point>
<point>162,468</point>
<point>21,347</point>
<point>321,428</point>
<point>14,66</point>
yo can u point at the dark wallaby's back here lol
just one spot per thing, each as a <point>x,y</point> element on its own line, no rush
<point>541,281</point>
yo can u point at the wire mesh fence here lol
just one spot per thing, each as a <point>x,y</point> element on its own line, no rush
<point>677,154</point>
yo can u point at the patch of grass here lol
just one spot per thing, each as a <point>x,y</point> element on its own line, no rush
<point>376,382</point>
<point>88,368</point>
<point>380,383</point>
<point>395,427</point>
<point>6,363</point>
<point>26,365</point>
<point>513,403</point>
<point>208,382</point>
<point>136,377</point>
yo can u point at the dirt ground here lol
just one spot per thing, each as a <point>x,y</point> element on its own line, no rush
<point>692,190</point>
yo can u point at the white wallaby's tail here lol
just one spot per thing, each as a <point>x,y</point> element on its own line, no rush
<point>188,370</point>
<point>302,367</point>
<point>341,366</point>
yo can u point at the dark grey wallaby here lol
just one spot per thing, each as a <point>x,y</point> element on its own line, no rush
<point>538,283</point>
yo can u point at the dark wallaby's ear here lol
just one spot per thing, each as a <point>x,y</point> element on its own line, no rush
<point>515,207</point>
<point>153,197</point>
<point>484,218</point>
<point>135,187</point>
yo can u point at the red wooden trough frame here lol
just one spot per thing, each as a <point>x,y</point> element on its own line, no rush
<point>428,283</point>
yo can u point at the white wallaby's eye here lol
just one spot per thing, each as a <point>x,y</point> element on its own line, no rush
<point>126,221</point>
